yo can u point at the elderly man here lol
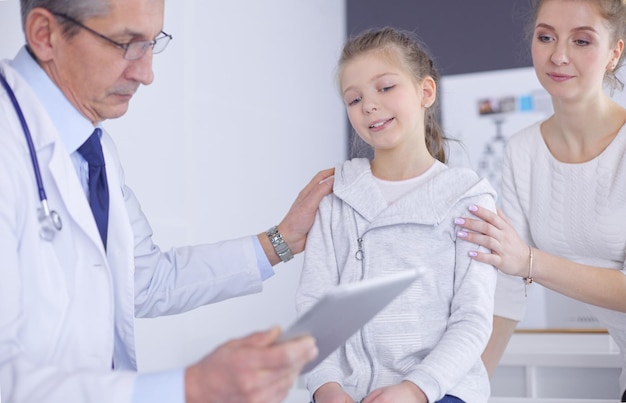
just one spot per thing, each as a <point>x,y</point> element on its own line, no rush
<point>78,260</point>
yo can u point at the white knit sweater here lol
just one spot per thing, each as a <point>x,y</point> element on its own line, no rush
<point>577,211</point>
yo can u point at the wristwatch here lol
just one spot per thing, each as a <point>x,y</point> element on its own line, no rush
<point>281,248</point>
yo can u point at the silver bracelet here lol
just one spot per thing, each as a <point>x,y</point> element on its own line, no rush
<point>529,279</point>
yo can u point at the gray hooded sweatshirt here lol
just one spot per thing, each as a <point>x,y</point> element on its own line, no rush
<point>433,334</point>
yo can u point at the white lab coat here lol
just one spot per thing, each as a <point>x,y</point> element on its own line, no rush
<point>67,307</point>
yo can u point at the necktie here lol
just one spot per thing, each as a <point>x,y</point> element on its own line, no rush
<point>91,150</point>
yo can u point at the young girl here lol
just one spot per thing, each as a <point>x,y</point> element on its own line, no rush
<point>395,213</point>
<point>564,179</point>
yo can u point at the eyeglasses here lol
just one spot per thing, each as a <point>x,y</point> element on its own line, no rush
<point>132,50</point>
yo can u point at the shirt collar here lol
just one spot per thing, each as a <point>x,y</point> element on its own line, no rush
<point>72,127</point>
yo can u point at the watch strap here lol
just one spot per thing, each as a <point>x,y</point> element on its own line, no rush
<point>279,244</point>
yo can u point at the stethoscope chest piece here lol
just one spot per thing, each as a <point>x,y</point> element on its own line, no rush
<point>50,220</point>
<point>56,220</point>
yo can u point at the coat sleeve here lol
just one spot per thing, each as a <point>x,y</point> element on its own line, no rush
<point>184,278</point>
<point>187,277</point>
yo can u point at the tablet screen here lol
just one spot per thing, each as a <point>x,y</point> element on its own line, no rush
<point>344,310</point>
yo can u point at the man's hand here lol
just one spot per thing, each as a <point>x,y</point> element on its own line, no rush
<point>252,369</point>
<point>299,219</point>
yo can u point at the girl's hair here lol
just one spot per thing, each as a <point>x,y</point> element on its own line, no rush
<point>614,12</point>
<point>405,47</point>
<point>77,9</point>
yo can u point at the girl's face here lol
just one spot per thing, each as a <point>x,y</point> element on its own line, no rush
<point>572,49</point>
<point>384,102</point>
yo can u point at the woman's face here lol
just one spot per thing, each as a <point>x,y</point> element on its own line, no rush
<point>572,48</point>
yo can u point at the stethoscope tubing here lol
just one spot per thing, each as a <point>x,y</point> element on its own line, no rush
<point>46,233</point>
<point>29,140</point>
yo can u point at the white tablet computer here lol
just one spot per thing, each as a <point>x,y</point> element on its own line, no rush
<point>344,310</point>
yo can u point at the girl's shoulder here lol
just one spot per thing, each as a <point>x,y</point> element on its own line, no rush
<point>460,182</point>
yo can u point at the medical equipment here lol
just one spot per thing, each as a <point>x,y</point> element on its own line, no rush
<point>49,219</point>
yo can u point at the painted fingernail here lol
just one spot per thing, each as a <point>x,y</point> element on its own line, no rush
<point>461,234</point>
<point>472,253</point>
<point>473,207</point>
<point>459,221</point>
<point>329,180</point>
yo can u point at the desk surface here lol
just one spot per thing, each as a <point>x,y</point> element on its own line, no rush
<point>558,349</point>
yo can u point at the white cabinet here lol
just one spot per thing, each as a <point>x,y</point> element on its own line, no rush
<point>538,367</point>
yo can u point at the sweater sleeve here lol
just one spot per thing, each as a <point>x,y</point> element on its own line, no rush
<point>469,324</point>
<point>319,273</point>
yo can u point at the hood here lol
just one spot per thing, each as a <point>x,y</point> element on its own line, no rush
<point>430,203</point>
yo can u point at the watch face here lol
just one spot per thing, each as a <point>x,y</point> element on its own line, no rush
<point>281,248</point>
<point>274,236</point>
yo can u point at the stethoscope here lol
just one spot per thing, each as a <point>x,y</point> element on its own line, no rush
<point>50,219</point>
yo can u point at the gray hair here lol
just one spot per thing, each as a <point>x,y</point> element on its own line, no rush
<point>77,9</point>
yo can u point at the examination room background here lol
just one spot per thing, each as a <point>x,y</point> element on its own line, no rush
<point>244,111</point>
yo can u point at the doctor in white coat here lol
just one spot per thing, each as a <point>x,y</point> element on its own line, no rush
<point>67,300</point>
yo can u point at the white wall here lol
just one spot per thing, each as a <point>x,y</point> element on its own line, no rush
<point>243,112</point>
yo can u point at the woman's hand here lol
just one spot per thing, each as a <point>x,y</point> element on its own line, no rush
<point>509,253</point>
